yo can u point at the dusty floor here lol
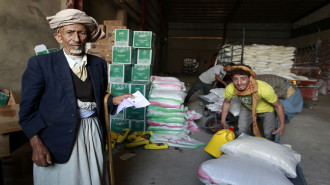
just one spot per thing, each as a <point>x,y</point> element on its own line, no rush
<point>308,133</point>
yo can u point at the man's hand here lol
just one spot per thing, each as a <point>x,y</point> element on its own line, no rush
<point>224,124</point>
<point>40,154</point>
<point>279,130</point>
<point>118,99</point>
<point>281,117</point>
<point>224,112</point>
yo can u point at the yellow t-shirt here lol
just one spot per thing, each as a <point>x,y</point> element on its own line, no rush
<point>266,96</point>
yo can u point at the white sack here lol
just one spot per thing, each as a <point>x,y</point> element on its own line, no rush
<point>240,170</point>
<point>281,157</point>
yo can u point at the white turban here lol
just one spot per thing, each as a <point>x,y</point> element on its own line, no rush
<point>74,16</point>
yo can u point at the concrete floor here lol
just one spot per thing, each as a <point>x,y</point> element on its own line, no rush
<point>308,133</point>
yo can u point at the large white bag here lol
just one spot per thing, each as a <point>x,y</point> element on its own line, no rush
<point>280,156</point>
<point>240,170</point>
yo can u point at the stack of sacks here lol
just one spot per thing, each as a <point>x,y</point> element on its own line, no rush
<point>217,105</point>
<point>251,161</point>
<point>166,116</point>
<point>268,59</point>
<point>165,119</point>
<point>166,97</point>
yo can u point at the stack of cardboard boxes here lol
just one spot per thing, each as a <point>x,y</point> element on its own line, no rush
<point>130,67</point>
<point>103,47</point>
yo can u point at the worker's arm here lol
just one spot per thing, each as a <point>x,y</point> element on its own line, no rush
<point>40,153</point>
<point>217,77</point>
<point>281,117</point>
<point>225,109</point>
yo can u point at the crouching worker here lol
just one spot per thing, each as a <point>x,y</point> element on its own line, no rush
<point>258,99</point>
<point>62,110</point>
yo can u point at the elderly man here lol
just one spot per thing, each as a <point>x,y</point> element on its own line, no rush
<point>61,111</point>
<point>258,99</point>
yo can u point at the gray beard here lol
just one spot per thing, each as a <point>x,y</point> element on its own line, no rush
<point>78,52</point>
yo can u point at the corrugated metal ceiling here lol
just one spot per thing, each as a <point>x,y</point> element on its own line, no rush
<point>240,11</point>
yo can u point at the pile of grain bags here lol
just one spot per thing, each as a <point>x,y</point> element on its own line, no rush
<point>166,116</point>
<point>267,59</point>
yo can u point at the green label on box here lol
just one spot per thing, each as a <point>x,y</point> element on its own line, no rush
<point>123,55</point>
<point>116,73</point>
<point>141,86</point>
<point>117,125</point>
<point>3,98</point>
<point>120,115</point>
<point>141,72</point>
<point>120,73</point>
<point>142,39</point>
<point>119,88</point>
<point>138,125</point>
<point>133,113</point>
<point>144,56</point>
<point>123,37</point>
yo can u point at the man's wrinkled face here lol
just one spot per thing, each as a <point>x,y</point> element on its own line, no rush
<point>73,37</point>
<point>241,81</point>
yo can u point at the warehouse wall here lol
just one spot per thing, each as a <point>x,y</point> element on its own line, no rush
<point>22,27</point>
<point>312,23</point>
<point>100,10</point>
<point>179,48</point>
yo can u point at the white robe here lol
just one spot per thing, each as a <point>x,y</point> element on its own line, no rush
<point>86,164</point>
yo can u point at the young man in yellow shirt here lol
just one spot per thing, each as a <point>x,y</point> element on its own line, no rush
<point>258,100</point>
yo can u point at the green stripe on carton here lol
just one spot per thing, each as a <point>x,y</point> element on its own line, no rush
<point>117,125</point>
<point>138,125</point>
<point>141,72</point>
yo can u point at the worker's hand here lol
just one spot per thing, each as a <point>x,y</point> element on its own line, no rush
<point>118,99</point>
<point>40,154</point>
<point>224,124</point>
<point>279,130</point>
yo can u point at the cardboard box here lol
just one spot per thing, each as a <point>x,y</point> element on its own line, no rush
<point>123,37</point>
<point>137,125</point>
<point>14,98</point>
<point>120,115</point>
<point>120,73</point>
<point>110,33</point>
<point>119,88</point>
<point>123,55</point>
<point>141,72</point>
<point>117,125</point>
<point>3,98</point>
<point>9,113</point>
<point>104,43</point>
<point>143,39</point>
<point>112,23</point>
<point>9,119</point>
<point>145,56</point>
<point>137,114</point>
<point>106,54</point>
<point>142,86</point>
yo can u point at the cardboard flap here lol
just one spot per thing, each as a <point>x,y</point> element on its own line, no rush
<point>9,118</point>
